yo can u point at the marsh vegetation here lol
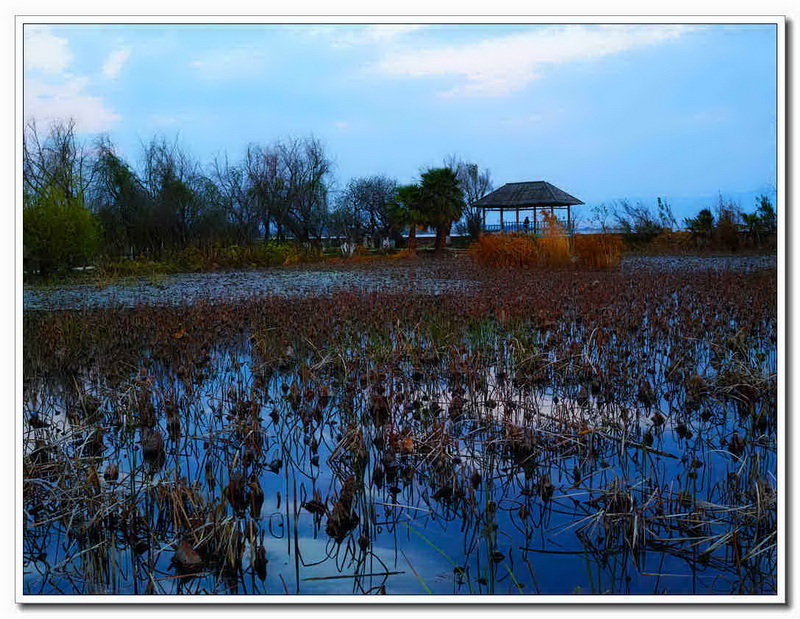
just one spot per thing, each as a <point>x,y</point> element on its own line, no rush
<point>535,432</point>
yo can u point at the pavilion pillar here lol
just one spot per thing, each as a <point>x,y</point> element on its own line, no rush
<point>517,219</point>
<point>569,220</point>
<point>502,225</point>
<point>484,219</point>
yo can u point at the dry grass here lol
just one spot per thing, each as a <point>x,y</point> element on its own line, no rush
<point>504,250</point>
<point>551,249</point>
<point>597,251</point>
<point>553,245</point>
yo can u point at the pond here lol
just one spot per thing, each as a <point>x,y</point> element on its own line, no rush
<point>563,433</point>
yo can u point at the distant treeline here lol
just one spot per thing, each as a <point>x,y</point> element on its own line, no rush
<point>82,200</point>
<point>726,226</point>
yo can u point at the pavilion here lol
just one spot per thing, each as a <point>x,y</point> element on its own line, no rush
<point>533,197</point>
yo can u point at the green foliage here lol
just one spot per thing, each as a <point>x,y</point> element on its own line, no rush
<point>406,207</point>
<point>251,256</point>
<point>702,225</point>
<point>194,258</point>
<point>58,232</point>
<point>665,216</point>
<point>761,223</point>
<point>441,201</point>
<point>767,216</point>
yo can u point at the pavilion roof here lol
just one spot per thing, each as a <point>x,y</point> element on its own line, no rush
<point>529,194</point>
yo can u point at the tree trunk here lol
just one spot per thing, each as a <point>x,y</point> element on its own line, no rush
<point>441,239</point>
<point>412,240</point>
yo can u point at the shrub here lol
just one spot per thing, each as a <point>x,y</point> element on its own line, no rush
<point>274,254</point>
<point>191,259</point>
<point>726,232</point>
<point>701,226</point>
<point>639,224</point>
<point>298,254</point>
<point>58,231</point>
<point>211,258</point>
<point>597,251</point>
<point>670,242</point>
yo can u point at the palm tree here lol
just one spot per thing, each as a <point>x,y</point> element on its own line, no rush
<point>405,210</point>
<point>442,201</point>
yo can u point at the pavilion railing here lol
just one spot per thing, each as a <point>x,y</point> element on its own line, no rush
<point>529,229</point>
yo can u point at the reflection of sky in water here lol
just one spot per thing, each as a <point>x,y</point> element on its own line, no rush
<point>416,533</point>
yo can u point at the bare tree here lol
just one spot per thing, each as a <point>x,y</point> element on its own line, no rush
<point>263,167</point>
<point>367,201</point>
<point>345,222</point>
<point>169,176</point>
<point>305,170</point>
<point>58,159</point>
<point>475,183</point>
<point>239,199</point>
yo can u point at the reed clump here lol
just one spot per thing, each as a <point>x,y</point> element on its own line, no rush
<point>597,251</point>
<point>552,249</point>
<point>553,244</point>
<point>505,250</point>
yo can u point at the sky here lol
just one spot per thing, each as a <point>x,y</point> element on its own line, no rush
<point>602,111</point>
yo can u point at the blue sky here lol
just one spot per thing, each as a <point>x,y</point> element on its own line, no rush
<point>604,112</point>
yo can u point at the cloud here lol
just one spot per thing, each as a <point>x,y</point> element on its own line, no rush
<point>47,102</point>
<point>51,92</point>
<point>341,124</point>
<point>500,66</point>
<point>234,63</point>
<point>113,64</point>
<point>374,34</point>
<point>345,36</point>
<point>43,51</point>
